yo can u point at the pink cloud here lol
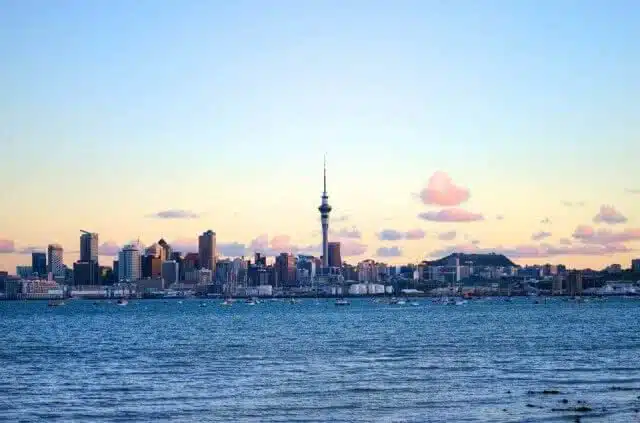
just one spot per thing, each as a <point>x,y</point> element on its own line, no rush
<point>31,249</point>
<point>447,236</point>
<point>608,214</point>
<point>7,246</point>
<point>589,235</point>
<point>414,234</point>
<point>281,242</point>
<point>451,215</point>
<point>351,248</point>
<point>442,191</point>
<point>347,233</point>
<point>540,235</point>
<point>109,248</point>
<point>185,245</point>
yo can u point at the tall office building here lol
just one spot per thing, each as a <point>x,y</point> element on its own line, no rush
<point>207,250</point>
<point>325,209</point>
<point>88,246</point>
<point>165,250</point>
<point>55,264</point>
<point>39,264</point>
<point>286,269</point>
<point>335,260</point>
<point>635,265</point>
<point>574,283</point>
<point>129,263</point>
<point>170,272</point>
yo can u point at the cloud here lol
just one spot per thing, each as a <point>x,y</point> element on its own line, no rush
<point>573,203</point>
<point>447,236</point>
<point>414,234</point>
<point>352,248</point>
<point>588,235</point>
<point>353,233</point>
<point>231,249</point>
<point>451,215</point>
<point>109,248</point>
<point>565,241</point>
<point>441,191</point>
<point>31,249</point>
<point>175,214</point>
<point>608,214</point>
<point>499,217</point>
<point>184,245</point>
<point>546,221</point>
<point>540,235</point>
<point>389,252</point>
<point>340,218</point>
<point>395,235</point>
<point>280,244</point>
<point>390,235</point>
<point>534,251</point>
<point>633,191</point>
<point>7,246</point>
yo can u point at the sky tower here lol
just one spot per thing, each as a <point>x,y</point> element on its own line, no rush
<point>325,209</point>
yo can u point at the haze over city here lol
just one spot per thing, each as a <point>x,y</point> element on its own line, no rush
<point>510,129</point>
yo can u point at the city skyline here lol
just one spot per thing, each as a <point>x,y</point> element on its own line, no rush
<point>509,129</point>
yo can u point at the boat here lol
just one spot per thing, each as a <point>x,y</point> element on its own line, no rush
<point>342,302</point>
<point>293,301</point>
<point>415,303</point>
<point>203,304</point>
<point>251,302</point>
<point>122,302</point>
<point>227,302</point>
<point>55,303</point>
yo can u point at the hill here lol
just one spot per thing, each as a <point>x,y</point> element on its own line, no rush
<point>491,259</point>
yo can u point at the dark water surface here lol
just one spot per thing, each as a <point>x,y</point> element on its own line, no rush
<point>484,361</point>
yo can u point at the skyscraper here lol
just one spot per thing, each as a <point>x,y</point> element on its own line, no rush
<point>335,260</point>
<point>129,263</point>
<point>39,263</point>
<point>207,250</point>
<point>55,264</point>
<point>325,209</point>
<point>89,246</point>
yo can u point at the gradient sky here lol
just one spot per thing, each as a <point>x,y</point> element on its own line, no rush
<point>111,111</point>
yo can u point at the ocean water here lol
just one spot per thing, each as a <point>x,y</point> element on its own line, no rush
<point>487,361</point>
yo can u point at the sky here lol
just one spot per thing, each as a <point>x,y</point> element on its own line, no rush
<point>471,126</point>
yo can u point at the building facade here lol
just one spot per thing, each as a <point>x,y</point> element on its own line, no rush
<point>89,246</point>
<point>335,259</point>
<point>39,264</point>
<point>207,250</point>
<point>129,263</point>
<point>170,272</point>
<point>55,264</point>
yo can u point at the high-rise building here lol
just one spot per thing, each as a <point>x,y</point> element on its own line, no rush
<point>170,272</point>
<point>286,269</point>
<point>207,250</point>
<point>325,209</point>
<point>55,264</point>
<point>39,264</point>
<point>88,246</point>
<point>129,263</point>
<point>574,283</point>
<point>635,265</point>
<point>335,260</point>
<point>151,266</point>
<point>165,250</point>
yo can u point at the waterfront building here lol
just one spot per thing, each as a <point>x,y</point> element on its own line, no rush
<point>24,271</point>
<point>286,269</point>
<point>325,210</point>
<point>88,246</point>
<point>86,273</point>
<point>334,258</point>
<point>55,264</point>
<point>165,250</point>
<point>556,287</point>
<point>39,264</point>
<point>129,263</point>
<point>635,265</point>
<point>574,283</point>
<point>170,272</point>
<point>207,250</point>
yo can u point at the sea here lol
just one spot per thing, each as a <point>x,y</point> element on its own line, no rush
<point>198,361</point>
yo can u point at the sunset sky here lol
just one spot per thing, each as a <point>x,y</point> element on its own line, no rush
<point>506,126</point>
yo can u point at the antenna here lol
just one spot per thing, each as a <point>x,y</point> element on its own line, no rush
<point>325,173</point>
